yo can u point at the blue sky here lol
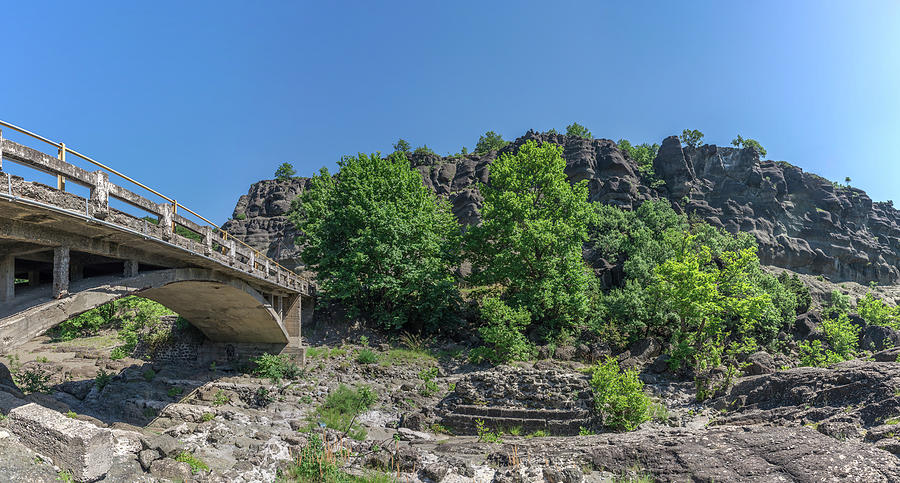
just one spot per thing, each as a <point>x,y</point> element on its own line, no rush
<point>201,99</point>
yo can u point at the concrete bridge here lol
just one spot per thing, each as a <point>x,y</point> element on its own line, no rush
<point>63,254</point>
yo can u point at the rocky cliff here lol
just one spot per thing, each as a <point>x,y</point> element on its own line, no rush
<point>803,222</point>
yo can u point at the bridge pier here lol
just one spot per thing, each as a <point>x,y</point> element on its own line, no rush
<point>131,268</point>
<point>7,278</point>
<point>61,259</point>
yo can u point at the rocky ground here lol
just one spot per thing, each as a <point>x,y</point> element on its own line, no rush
<point>792,424</point>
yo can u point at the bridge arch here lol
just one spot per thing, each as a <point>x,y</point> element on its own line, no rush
<point>223,308</point>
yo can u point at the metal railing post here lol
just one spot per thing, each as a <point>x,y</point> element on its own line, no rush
<point>60,181</point>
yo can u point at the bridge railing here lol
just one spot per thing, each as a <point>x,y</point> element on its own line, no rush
<point>212,239</point>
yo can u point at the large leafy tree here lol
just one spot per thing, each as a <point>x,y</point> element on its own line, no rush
<point>380,242</point>
<point>534,223</point>
<point>490,141</point>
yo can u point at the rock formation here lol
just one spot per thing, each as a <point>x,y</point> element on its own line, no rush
<point>802,221</point>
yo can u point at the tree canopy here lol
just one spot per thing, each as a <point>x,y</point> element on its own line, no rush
<point>490,141</point>
<point>383,245</point>
<point>534,223</point>
<point>285,172</point>
<point>578,130</point>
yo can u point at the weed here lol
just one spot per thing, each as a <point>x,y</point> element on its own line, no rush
<point>42,359</point>
<point>102,379</point>
<point>150,413</point>
<point>342,407</point>
<point>515,431</point>
<point>540,433</point>
<point>429,386</point>
<point>71,414</point>
<point>207,417</point>
<point>65,476</point>
<point>437,428</point>
<point>406,356</point>
<point>366,356</point>
<point>306,399</point>
<point>175,391</point>
<point>320,461</point>
<point>413,342</point>
<point>583,431</point>
<point>14,365</point>
<point>220,399</point>
<point>149,375</point>
<point>33,380</point>
<point>197,465</point>
<point>485,435</point>
<point>364,341</point>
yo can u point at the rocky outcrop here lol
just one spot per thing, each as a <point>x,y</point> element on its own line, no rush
<point>802,221</point>
<point>260,219</point>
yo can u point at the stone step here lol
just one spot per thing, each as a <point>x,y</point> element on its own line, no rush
<point>465,424</point>
<point>521,413</point>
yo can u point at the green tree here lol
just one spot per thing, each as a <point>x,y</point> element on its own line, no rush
<point>285,172</point>
<point>740,142</point>
<point>382,244</point>
<point>491,141</point>
<point>578,130</point>
<point>847,180</point>
<point>643,155</point>
<point>402,145</point>
<point>534,223</point>
<point>691,138</point>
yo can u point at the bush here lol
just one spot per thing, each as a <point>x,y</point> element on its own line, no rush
<point>102,379</point>
<point>382,244</point>
<point>578,130</point>
<point>842,337</point>
<point>319,462</point>
<point>619,396</point>
<point>876,312</point>
<point>275,367</point>
<point>491,141</point>
<point>838,304</point>
<point>285,172</point>
<point>32,380</point>
<point>502,331</point>
<point>429,386</point>
<point>341,408</point>
<point>799,289</point>
<point>643,156</point>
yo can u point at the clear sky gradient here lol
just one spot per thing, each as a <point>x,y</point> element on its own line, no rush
<point>201,99</point>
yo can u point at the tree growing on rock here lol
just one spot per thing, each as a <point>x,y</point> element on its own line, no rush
<point>402,145</point>
<point>534,223</point>
<point>740,142</point>
<point>285,172</point>
<point>578,130</point>
<point>691,138</point>
<point>491,141</point>
<point>382,244</point>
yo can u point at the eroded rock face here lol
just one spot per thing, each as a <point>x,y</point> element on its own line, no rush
<point>802,221</point>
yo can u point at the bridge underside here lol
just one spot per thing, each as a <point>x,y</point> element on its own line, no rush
<point>225,310</point>
<point>56,263</point>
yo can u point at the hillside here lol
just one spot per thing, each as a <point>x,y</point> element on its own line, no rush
<point>802,221</point>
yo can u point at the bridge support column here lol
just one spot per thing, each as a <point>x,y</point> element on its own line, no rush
<point>131,268</point>
<point>166,219</point>
<point>99,202</point>
<point>7,278</point>
<point>60,271</point>
<point>291,320</point>
<point>207,240</point>
<point>34,278</point>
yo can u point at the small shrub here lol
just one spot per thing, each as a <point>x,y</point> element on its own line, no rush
<point>240,216</point>
<point>175,391</point>
<point>275,367</point>
<point>102,379</point>
<point>341,408</point>
<point>149,413</point>
<point>118,353</point>
<point>413,342</point>
<point>319,462</point>
<point>485,435</point>
<point>221,398</point>
<point>583,431</point>
<point>440,429</point>
<point>71,414</point>
<point>619,396</point>
<point>65,476</point>
<point>489,142</point>
<point>366,356</point>
<point>33,380</point>
<point>430,386</point>
<point>149,375</point>
<point>207,417</point>
<point>540,433</point>
<point>197,465</point>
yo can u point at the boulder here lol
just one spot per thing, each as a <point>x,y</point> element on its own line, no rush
<point>169,468</point>
<point>73,445</point>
